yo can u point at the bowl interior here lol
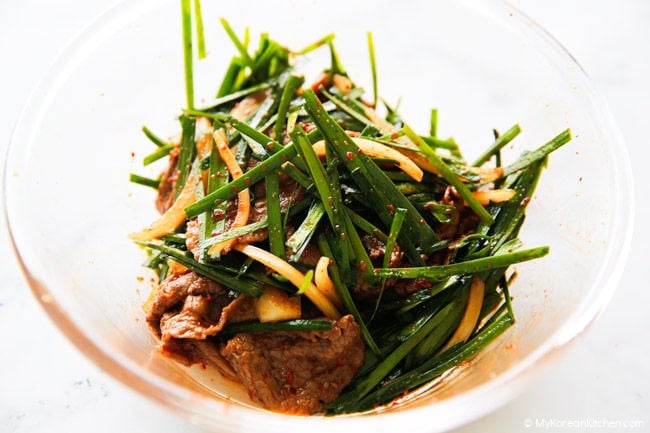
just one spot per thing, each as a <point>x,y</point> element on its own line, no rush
<point>70,205</point>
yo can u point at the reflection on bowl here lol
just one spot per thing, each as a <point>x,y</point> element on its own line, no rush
<point>70,205</point>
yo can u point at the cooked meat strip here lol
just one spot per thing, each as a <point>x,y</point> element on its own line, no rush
<point>189,352</point>
<point>189,306</point>
<point>172,293</point>
<point>165,197</point>
<point>297,372</point>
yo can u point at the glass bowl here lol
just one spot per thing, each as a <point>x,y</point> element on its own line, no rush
<point>70,205</point>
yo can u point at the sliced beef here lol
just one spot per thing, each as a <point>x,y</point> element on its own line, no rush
<point>204,352</point>
<point>167,185</point>
<point>296,372</point>
<point>191,307</point>
<point>172,293</point>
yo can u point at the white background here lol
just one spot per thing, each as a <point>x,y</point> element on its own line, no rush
<point>46,385</point>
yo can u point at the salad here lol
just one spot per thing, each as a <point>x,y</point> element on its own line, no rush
<point>314,247</point>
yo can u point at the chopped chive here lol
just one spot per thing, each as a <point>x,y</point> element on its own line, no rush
<point>230,77</point>
<point>468,267</point>
<point>217,177</point>
<point>449,176</point>
<point>145,181</point>
<point>366,226</point>
<point>303,234</point>
<point>243,52</point>
<point>198,27</point>
<point>346,108</point>
<point>159,153</point>
<point>433,123</point>
<point>498,144</point>
<point>154,138</point>
<point>365,385</point>
<point>373,181</point>
<point>331,199</point>
<point>373,68</point>
<point>234,96</point>
<point>434,367</point>
<point>337,67</point>
<point>389,247</point>
<point>186,14</point>
<point>242,285</point>
<point>449,143</point>
<point>187,150</point>
<point>296,325</point>
<point>234,233</point>
<point>291,86</point>
<point>274,216</point>
<point>539,153</point>
<point>317,44</point>
<point>395,227</point>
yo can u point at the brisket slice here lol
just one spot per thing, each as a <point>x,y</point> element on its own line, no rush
<point>186,309</point>
<point>296,372</point>
<point>167,185</point>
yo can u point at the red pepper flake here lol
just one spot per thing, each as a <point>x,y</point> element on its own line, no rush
<point>349,155</point>
<point>360,152</point>
<point>394,135</point>
<point>376,270</point>
<point>291,378</point>
<point>362,266</point>
<point>308,126</point>
<point>218,214</point>
<point>524,201</point>
<point>391,208</point>
<point>422,221</point>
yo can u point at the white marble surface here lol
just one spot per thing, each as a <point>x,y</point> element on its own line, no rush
<point>46,385</point>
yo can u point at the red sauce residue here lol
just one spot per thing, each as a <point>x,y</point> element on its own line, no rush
<point>218,214</point>
<point>290,379</point>
<point>308,126</point>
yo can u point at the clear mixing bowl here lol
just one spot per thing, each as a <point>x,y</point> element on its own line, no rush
<point>70,205</point>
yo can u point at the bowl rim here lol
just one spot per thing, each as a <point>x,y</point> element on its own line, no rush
<point>193,405</point>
